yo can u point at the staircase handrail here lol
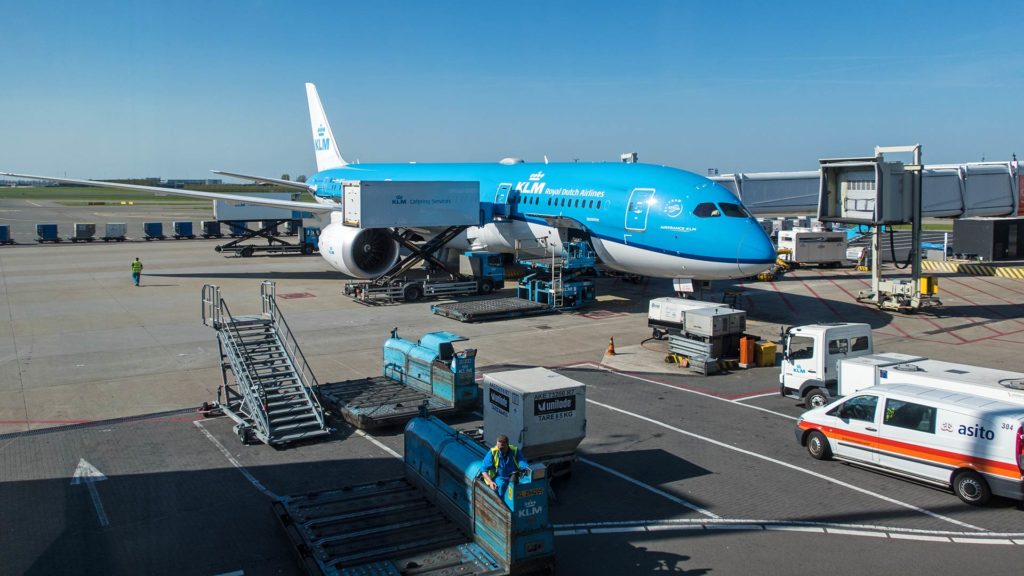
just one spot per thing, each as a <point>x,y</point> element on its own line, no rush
<point>291,347</point>
<point>258,401</point>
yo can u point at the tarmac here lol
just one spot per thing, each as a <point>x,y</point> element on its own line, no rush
<point>93,368</point>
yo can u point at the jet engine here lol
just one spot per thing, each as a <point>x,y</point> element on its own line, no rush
<point>358,252</point>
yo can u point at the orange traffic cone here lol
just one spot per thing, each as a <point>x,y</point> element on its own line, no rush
<point>611,347</point>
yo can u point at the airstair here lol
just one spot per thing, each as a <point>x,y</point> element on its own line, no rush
<point>269,395</point>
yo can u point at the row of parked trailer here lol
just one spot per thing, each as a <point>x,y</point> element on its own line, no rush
<point>182,229</point>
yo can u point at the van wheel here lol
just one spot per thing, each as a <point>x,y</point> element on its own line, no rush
<point>815,399</point>
<point>970,487</point>
<point>817,446</point>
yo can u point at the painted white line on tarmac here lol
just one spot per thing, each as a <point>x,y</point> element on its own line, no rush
<point>824,528</point>
<point>745,398</point>
<point>248,476</point>
<point>697,392</point>
<point>788,465</point>
<point>379,444</point>
<point>650,488</point>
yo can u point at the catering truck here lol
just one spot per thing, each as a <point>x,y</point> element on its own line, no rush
<point>962,441</point>
<point>823,362</point>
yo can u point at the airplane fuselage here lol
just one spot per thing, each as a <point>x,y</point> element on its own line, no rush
<point>640,218</point>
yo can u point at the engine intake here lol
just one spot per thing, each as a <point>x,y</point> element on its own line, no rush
<point>358,252</point>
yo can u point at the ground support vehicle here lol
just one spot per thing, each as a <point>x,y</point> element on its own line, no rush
<point>309,243</point>
<point>846,350</point>
<point>806,246</point>
<point>438,518</point>
<point>551,285</point>
<point>396,286</point>
<point>968,443</point>
<point>429,373</point>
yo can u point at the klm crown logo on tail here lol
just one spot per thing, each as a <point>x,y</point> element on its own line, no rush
<point>321,142</point>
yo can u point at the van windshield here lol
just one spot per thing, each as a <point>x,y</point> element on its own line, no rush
<point>801,347</point>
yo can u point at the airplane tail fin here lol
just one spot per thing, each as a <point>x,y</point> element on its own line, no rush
<point>327,153</point>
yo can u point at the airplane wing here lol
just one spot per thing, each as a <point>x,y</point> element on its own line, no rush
<point>265,180</point>
<point>291,204</point>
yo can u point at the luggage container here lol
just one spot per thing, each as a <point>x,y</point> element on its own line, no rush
<point>183,229</point>
<point>84,232</point>
<point>237,228</point>
<point>47,233</point>
<point>541,412</point>
<point>269,226</point>
<point>153,230</point>
<point>5,234</point>
<point>211,229</point>
<point>115,231</point>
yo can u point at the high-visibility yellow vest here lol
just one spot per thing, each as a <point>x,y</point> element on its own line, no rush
<point>496,455</point>
<point>136,266</point>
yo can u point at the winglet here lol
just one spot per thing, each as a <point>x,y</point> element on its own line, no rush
<point>327,153</point>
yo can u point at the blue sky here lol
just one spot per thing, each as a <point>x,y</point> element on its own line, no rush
<point>172,89</point>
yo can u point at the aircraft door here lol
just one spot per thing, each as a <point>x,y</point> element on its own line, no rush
<point>638,207</point>
<point>501,200</point>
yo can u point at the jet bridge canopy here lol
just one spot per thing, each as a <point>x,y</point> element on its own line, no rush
<point>390,204</point>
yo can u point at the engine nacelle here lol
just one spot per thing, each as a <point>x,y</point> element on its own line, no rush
<point>358,252</point>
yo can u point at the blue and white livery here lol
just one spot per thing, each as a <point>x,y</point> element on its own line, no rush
<point>641,219</point>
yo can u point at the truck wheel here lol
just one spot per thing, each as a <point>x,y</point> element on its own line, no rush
<point>657,334</point>
<point>412,293</point>
<point>486,286</point>
<point>247,251</point>
<point>815,399</point>
<point>970,487</point>
<point>817,446</point>
<point>307,249</point>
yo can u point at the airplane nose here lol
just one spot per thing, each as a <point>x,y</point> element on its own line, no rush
<point>755,253</point>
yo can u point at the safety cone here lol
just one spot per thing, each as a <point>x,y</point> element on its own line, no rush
<point>611,347</point>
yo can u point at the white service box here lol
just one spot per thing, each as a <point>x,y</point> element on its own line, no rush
<point>391,204</point>
<point>542,412</point>
<point>808,246</point>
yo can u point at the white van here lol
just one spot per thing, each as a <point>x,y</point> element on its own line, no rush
<point>968,443</point>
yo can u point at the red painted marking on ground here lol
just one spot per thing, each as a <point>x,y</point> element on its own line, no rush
<point>1000,286</point>
<point>601,314</point>
<point>982,306</point>
<point>822,300</point>
<point>782,295</point>
<point>944,330</point>
<point>879,313</point>
<point>294,295</point>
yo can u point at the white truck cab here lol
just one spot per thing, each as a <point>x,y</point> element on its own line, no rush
<point>810,358</point>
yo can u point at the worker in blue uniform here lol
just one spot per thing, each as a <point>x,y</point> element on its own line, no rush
<point>500,463</point>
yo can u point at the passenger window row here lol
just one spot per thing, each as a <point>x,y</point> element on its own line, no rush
<point>559,202</point>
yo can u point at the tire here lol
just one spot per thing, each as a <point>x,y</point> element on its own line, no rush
<point>412,293</point>
<point>970,487</point>
<point>486,286</point>
<point>815,399</point>
<point>247,251</point>
<point>307,249</point>
<point>818,447</point>
<point>657,334</point>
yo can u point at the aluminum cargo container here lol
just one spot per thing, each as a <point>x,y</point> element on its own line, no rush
<point>388,204</point>
<point>84,231</point>
<point>115,231</point>
<point>715,321</point>
<point>541,412</point>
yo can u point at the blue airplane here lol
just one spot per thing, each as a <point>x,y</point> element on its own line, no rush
<point>640,219</point>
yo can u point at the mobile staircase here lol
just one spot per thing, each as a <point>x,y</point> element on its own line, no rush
<point>269,395</point>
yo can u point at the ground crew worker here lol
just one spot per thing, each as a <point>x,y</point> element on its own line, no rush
<point>500,463</point>
<point>136,270</point>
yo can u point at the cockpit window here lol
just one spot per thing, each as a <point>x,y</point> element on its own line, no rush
<point>734,210</point>
<point>706,210</point>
